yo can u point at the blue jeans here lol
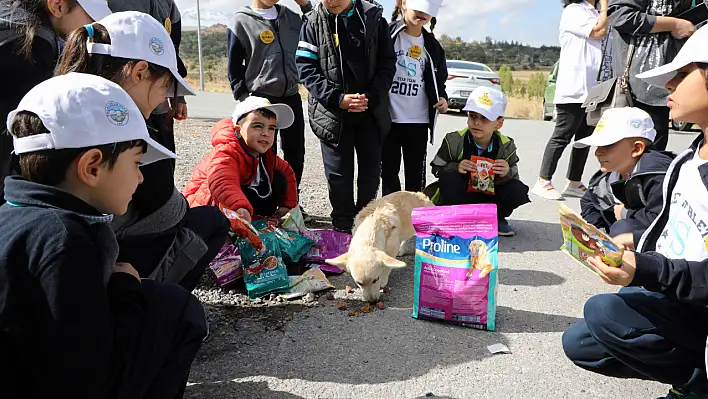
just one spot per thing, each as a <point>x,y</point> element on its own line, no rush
<point>640,334</point>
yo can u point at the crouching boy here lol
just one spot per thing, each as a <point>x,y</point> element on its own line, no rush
<point>73,323</point>
<point>241,173</point>
<point>625,195</point>
<point>478,165</point>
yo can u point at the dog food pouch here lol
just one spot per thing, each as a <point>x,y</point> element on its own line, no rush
<point>482,177</point>
<point>263,271</point>
<point>456,264</point>
<point>227,266</point>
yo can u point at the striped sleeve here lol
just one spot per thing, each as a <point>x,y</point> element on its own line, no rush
<point>307,50</point>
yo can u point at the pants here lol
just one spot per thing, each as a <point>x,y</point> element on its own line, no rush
<point>570,124</point>
<point>412,139</point>
<point>507,196</point>
<point>363,137</point>
<point>267,206</point>
<point>145,253</point>
<point>156,355</point>
<point>640,334</point>
<point>660,117</point>
<point>292,139</point>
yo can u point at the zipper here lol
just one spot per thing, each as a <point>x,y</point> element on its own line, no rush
<point>276,27</point>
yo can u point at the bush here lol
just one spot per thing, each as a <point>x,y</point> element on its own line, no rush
<point>537,85</point>
<point>507,80</point>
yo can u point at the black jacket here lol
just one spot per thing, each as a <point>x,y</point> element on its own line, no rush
<point>63,313</point>
<point>641,194</point>
<point>678,279</point>
<point>320,68</point>
<point>434,77</point>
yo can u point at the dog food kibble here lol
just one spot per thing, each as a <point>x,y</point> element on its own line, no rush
<point>380,305</point>
<point>386,290</point>
<point>342,305</point>
<point>348,289</point>
<point>366,308</point>
<point>353,313</point>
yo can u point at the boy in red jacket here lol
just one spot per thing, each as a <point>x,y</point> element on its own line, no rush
<point>241,174</point>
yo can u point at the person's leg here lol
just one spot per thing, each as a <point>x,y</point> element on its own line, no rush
<point>391,159</point>
<point>367,142</point>
<point>579,156</point>
<point>660,117</point>
<point>144,253</point>
<point>509,196</point>
<point>640,334</point>
<point>263,206</point>
<point>453,190</point>
<point>213,228</point>
<point>156,355</point>
<point>292,139</point>
<point>339,171</point>
<point>415,148</point>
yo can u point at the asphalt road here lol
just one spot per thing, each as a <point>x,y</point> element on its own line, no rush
<point>320,352</point>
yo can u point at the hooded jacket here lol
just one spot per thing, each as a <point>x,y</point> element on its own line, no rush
<point>220,177</point>
<point>261,53</point>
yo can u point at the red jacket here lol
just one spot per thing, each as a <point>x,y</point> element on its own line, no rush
<point>218,178</point>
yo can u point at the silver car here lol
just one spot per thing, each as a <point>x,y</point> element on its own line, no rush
<point>465,76</point>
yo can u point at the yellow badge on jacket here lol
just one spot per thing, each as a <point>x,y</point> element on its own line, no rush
<point>267,36</point>
<point>335,37</point>
<point>415,51</point>
<point>168,25</point>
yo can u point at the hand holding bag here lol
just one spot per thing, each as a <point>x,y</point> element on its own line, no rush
<point>613,93</point>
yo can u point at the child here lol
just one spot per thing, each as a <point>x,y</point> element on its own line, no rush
<point>479,164</point>
<point>417,94</point>
<point>159,235</point>
<point>262,41</point>
<point>74,323</point>
<point>346,62</point>
<point>656,330</point>
<point>241,174</point>
<point>624,196</point>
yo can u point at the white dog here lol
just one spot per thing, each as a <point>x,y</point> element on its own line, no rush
<point>380,230</point>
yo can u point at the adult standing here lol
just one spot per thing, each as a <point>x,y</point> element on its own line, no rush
<point>658,36</point>
<point>582,30</point>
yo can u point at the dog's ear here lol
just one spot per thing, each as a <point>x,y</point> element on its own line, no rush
<point>389,261</point>
<point>393,219</point>
<point>340,261</point>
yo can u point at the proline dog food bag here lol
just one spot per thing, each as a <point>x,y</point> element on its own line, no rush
<point>456,264</point>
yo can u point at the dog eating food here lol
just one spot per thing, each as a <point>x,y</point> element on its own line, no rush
<point>456,264</point>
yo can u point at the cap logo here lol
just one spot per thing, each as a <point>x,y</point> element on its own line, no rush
<point>117,114</point>
<point>636,123</point>
<point>600,125</point>
<point>156,46</point>
<point>485,100</point>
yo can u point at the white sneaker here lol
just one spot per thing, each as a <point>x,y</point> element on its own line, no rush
<point>573,190</point>
<point>545,189</point>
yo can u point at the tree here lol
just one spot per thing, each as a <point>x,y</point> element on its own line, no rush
<point>537,85</point>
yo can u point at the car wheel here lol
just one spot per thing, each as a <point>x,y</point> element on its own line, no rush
<point>681,126</point>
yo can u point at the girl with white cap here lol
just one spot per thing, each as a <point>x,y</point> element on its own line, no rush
<point>416,95</point>
<point>160,234</point>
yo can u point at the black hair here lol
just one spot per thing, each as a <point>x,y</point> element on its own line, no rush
<point>266,113</point>
<point>49,166</point>
<point>38,14</point>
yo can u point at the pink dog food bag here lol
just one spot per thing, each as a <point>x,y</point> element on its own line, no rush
<point>456,264</point>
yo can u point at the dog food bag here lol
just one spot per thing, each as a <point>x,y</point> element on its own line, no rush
<point>242,229</point>
<point>328,244</point>
<point>482,177</point>
<point>456,264</point>
<point>263,271</point>
<point>294,222</point>
<point>292,246</point>
<point>311,281</point>
<point>581,240</point>
<point>227,266</point>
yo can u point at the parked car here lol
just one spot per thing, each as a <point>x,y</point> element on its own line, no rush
<point>548,112</point>
<point>465,76</point>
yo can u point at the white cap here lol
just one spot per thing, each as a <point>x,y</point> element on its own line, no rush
<point>694,50</point>
<point>487,101</point>
<point>138,36</point>
<point>284,116</point>
<point>96,9</point>
<point>80,111</point>
<point>617,124</point>
<point>429,7</point>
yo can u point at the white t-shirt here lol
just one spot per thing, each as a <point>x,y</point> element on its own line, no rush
<point>685,233</point>
<point>267,13</point>
<point>580,57</point>
<point>409,101</point>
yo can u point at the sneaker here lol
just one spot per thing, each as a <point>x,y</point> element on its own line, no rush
<point>545,189</point>
<point>681,393</point>
<point>573,190</point>
<point>505,229</point>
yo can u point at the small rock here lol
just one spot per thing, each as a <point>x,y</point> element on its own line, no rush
<point>232,292</point>
<point>341,305</point>
<point>272,297</point>
<point>258,300</point>
<point>330,296</point>
<point>380,305</point>
<point>348,289</point>
<point>310,297</point>
<point>429,395</point>
<point>279,299</point>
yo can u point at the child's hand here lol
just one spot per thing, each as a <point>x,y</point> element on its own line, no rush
<point>180,111</point>
<point>616,275</point>
<point>123,267</point>
<point>618,211</point>
<point>501,167</point>
<point>243,213</point>
<point>625,239</point>
<point>354,103</point>
<point>441,106</point>
<point>282,211</point>
<point>466,166</point>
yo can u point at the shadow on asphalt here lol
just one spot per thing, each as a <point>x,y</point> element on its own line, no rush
<point>529,278</point>
<point>240,390</point>
<point>532,236</point>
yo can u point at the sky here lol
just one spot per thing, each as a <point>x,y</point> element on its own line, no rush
<point>533,22</point>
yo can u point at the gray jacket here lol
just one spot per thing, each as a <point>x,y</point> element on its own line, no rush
<point>636,18</point>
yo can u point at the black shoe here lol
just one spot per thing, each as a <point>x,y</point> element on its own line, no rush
<point>505,230</point>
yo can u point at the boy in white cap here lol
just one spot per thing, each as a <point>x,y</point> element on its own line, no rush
<point>656,328</point>
<point>74,323</point>
<point>624,196</point>
<point>242,174</point>
<point>479,164</point>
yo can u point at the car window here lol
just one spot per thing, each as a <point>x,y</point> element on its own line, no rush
<point>466,65</point>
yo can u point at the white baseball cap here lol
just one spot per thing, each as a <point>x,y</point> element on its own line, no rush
<point>617,124</point>
<point>694,50</point>
<point>429,7</point>
<point>487,101</point>
<point>81,111</point>
<point>138,36</point>
<point>96,9</point>
<point>284,116</point>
